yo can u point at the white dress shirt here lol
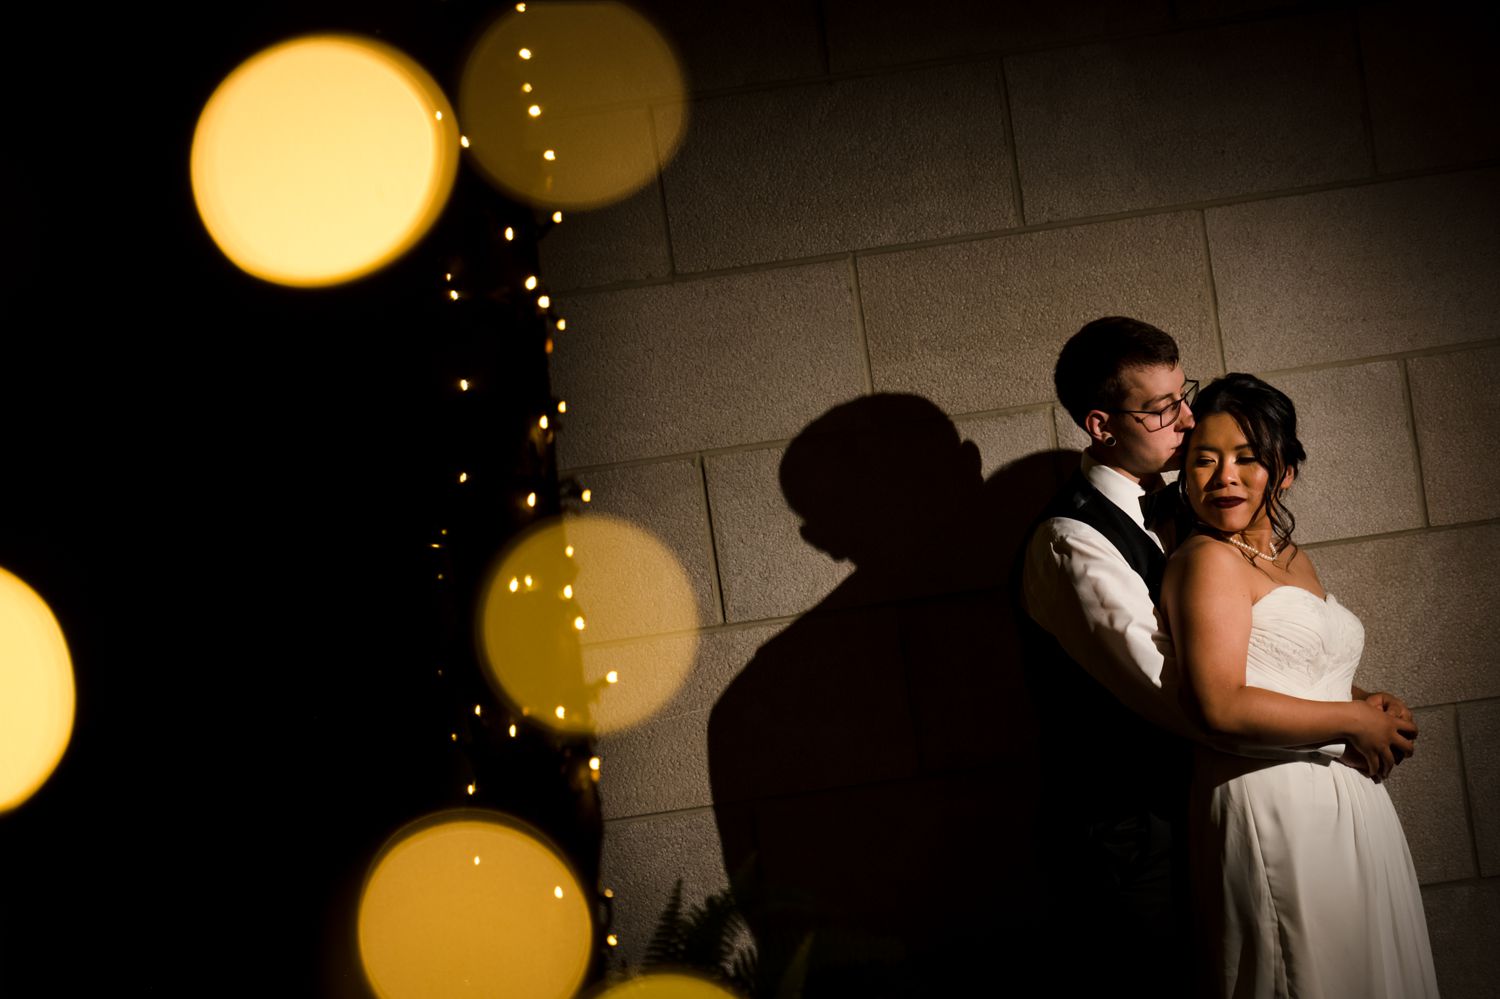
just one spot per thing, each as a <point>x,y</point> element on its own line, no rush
<point>1078,586</point>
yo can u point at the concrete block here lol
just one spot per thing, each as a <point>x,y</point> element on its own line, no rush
<point>1479,726</point>
<point>666,500</point>
<point>1168,119</point>
<point>701,364</point>
<point>1353,421</point>
<point>1428,793</point>
<point>644,857</point>
<point>714,659</point>
<point>1004,437</point>
<point>1461,921</point>
<point>824,168</point>
<point>1432,82</point>
<point>1358,272</point>
<point>661,766</point>
<point>863,34</point>
<point>1427,603</point>
<point>732,43</point>
<point>978,325</point>
<point>1069,434</point>
<point>765,567</point>
<point>626,241</point>
<point>1452,397</point>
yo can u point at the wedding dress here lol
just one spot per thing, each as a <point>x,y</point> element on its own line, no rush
<point>1303,878</point>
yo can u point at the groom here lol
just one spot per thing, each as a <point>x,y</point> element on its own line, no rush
<point>1100,664</point>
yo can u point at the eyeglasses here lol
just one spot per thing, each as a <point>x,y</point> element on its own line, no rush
<point>1168,414</point>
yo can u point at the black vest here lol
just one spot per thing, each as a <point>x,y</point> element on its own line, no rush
<point>1104,762</point>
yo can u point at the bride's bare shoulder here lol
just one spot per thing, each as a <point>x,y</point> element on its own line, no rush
<point>1201,550</point>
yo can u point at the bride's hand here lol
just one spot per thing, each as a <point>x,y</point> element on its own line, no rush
<point>1381,737</point>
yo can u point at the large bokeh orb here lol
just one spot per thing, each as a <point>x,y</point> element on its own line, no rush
<point>473,903</point>
<point>36,692</point>
<point>588,624</point>
<point>323,158</point>
<point>666,985</point>
<point>572,104</point>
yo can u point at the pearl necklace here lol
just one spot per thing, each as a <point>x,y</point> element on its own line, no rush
<point>1254,550</point>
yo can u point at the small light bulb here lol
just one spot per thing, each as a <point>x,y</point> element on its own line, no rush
<point>593,763</point>
<point>444,531</point>
<point>463,476</point>
<point>463,140</point>
<point>562,324</point>
<point>448,277</point>
<point>544,301</point>
<point>436,545</point>
<point>557,216</point>
<point>549,155</point>
<point>515,584</point>
<point>531,499</point>
<point>578,622</point>
<point>478,710</point>
<point>609,893</point>
<point>542,423</point>
<point>471,789</point>
<point>613,676</point>
<point>476,861</point>
<point>547,347</point>
<point>568,551</point>
<point>562,405</point>
<point>568,592</point>
<point>531,282</point>
<point>561,711</point>
<point>557,892</point>
<point>453,294</point>
<point>524,53</point>
<point>588,494</point>
<point>439,115</point>
<point>528,582</point>
<point>463,385</point>
<point>510,234</point>
<point>512,731</point>
<point>520,8</point>
<point>535,110</point>
<point>612,940</point>
<point>452,736</point>
<point>525,88</point>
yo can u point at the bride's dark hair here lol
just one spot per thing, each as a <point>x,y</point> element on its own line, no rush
<point>1269,421</point>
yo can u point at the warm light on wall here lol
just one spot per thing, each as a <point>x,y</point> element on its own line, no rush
<point>321,159</point>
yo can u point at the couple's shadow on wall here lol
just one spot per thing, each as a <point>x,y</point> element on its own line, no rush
<point>874,766</point>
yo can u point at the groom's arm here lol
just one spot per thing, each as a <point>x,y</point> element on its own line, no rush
<point>1079,588</point>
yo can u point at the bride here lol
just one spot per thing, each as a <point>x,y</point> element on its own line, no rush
<point>1301,873</point>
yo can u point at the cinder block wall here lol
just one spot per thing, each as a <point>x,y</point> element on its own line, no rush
<point>930,198</point>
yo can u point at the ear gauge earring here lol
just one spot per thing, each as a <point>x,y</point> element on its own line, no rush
<point>1109,442</point>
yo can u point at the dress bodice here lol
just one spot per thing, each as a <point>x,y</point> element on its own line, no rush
<point>1303,646</point>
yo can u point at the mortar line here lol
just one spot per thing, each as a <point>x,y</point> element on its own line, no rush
<point>713,547</point>
<point>957,239</point>
<point>859,323</point>
<point>661,190</point>
<point>1416,447</point>
<point>1367,119</point>
<point>1009,133</point>
<point>1463,790</point>
<point>1213,290</point>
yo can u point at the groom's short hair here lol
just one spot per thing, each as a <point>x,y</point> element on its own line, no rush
<point>1088,370</point>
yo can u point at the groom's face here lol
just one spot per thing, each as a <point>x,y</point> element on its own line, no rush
<point>1145,444</point>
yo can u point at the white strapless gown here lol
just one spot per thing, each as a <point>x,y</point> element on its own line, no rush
<point>1303,879</point>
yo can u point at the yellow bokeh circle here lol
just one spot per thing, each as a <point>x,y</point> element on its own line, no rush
<point>476,903</point>
<point>323,158</point>
<point>573,104</point>
<point>588,624</point>
<point>36,692</point>
<point>666,985</point>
